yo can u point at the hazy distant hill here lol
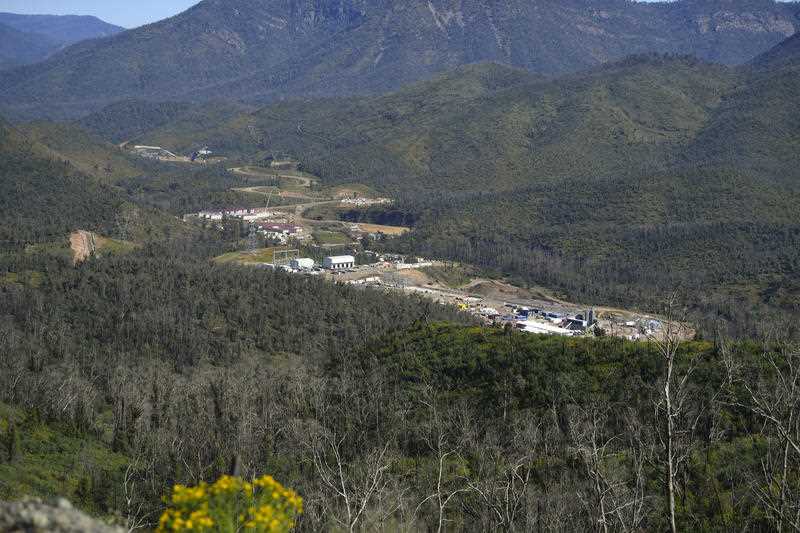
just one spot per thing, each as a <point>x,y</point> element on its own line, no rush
<point>61,29</point>
<point>20,48</point>
<point>269,49</point>
<point>26,39</point>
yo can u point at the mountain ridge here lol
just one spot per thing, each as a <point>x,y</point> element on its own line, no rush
<point>19,48</point>
<point>266,51</point>
<point>62,29</point>
<point>28,39</point>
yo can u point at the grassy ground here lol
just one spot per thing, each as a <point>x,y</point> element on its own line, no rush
<point>454,276</point>
<point>324,212</point>
<point>51,461</point>
<point>323,237</point>
<point>106,246</point>
<point>28,277</point>
<point>263,255</point>
<point>349,190</point>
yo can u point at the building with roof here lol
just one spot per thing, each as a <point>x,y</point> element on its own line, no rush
<point>339,262</point>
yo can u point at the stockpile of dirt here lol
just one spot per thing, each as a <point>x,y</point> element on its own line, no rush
<point>83,245</point>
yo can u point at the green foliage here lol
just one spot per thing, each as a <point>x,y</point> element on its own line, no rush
<point>180,189</point>
<point>126,120</point>
<point>12,443</point>
<point>53,459</point>
<point>44,199</point>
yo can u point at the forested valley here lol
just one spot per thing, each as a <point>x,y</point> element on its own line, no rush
<point>618,185</point>
<point>382,412</point>
<point>150,369</point>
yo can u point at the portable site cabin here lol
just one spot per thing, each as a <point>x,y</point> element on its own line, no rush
<point>302,263</point>
<point>339,262</point>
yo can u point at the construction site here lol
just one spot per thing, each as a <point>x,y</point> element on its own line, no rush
<point>300,194</point>
<point>492,302</point>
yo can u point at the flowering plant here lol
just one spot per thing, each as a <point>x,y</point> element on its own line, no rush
<point>232,504</point>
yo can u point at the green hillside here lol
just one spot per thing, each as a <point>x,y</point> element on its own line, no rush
<point>56,179</point>
<point>488,127</point>
<point>45,198</point>
<point>152,366</point>
<point>55,459</point>
<point>88,153</point>
<point>125,120</point>
<point>617,185</point>
<point>175,366</point>
<point>755,127</point>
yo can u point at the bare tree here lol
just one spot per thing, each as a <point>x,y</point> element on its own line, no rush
<point>136,516</point>
<point>671,407</point>
<point>502,473</point>
<point>340,477</point>
<point>446,450</point>
<point>351,463</point>
<point>771,391</point>
<point>617,487</point>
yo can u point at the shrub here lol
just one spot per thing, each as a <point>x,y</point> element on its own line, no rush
<point>232,504</point>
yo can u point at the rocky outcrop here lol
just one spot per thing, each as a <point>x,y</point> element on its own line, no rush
<point>35,516</point>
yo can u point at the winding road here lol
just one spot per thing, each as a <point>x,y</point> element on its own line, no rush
<point>249,171</point>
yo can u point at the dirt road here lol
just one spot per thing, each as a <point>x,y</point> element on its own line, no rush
<point>267,192</point>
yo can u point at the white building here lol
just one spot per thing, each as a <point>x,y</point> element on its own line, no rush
<point>339,262</point>
<point>302,264</point>
<point>531,326</point>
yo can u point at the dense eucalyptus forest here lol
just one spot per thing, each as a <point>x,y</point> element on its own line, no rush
<point>383,412</point>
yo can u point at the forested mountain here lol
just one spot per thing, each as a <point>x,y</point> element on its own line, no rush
<point>600,176</point>
<point>20,48</point>
<point>26,39</point>
<point>57,178</point>
<point>87,152</point>
<point>128,120</point>
<point>250,49</point>
<point>44,197</point>
<point>788,51</point>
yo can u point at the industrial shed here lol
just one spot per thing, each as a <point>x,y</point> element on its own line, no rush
<point>339,262</point>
